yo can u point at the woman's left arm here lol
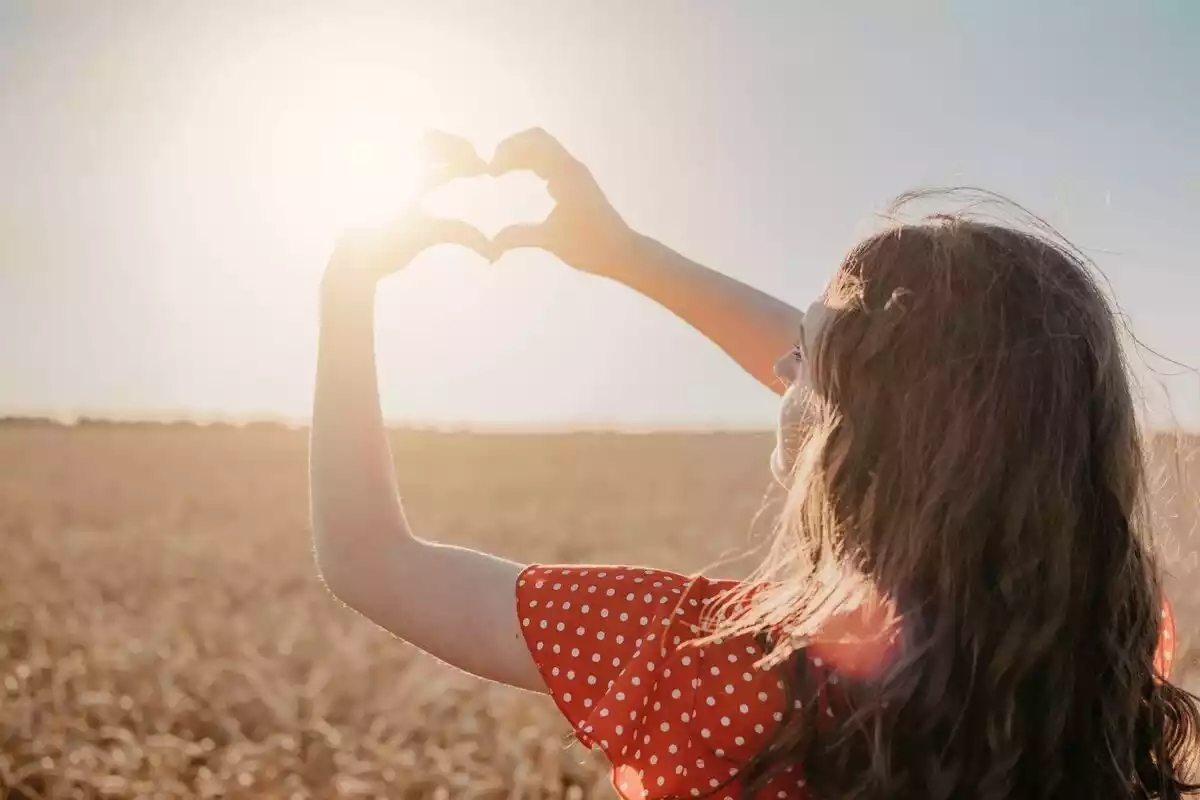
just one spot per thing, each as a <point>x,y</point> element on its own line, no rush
<point>454,603</point>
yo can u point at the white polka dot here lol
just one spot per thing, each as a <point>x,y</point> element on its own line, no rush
<point>685,660</point>
<point>619,730</point>
<point>746,676</point>
<point>544,624</point>
<point>584,609</point>
<point>712,701</point>
<point>636,681</point>
<point>620,638</point>
<point>664,727</point>
<point>567,697</point>
<point>719,752</point>
<point>684,717</point>
<point>699,763</point>
<point>578,631</point>
<point>525,622</point>
<point>758,728</point>
<point>762,696</point>
<point>604,712</point>
<point>745,709</point>
<point>599,634</point>
<point>587,702</point>
<point>539,584</point>
<point>715,670</point>
<point>650,666</point>
<point>557,586</point>
<point>596,658</point>
<point>751,650</point>
<point>732,658</point>
<point>818,662</point>
<point>616,662</point>
<point>729,688</point>
<point>725,721</point>
<point>739,741</point>
<point>777,716</point>
<point>557,648</point>
<point>591,680</point>
<point>629,596</point>
<point>574,587</point>
<point>570,674</point>
<point>675,693</point>
<point>567,605</point>
<point>575,652</point>
<point>644,620</point>
<point>554,671</point>
<point>705,732</point>
<point>653,759</point>
<point>673,748</point>
<point>604,613</point>
<point>620,695</point>
<point>611,592</point>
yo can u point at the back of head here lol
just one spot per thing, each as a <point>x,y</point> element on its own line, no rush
<point>975,460</point>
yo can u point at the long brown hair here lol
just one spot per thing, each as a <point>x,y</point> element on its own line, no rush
<point>976,466</point>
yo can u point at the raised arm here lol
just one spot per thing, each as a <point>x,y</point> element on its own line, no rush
<point>454,603</point>
<point>584,230</point>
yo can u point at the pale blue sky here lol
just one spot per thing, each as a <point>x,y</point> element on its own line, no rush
<point>162,232</point>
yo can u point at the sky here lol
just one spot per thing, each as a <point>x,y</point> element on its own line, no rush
<point>173,176</point>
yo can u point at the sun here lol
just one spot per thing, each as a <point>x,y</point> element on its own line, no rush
<point>342,158</point>
<point>360,171</point>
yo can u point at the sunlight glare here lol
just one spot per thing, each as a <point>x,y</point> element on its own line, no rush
<point>346,153</point>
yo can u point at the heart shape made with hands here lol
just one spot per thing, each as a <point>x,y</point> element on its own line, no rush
<point>491,204</point>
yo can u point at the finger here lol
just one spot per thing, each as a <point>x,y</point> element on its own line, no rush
<point>437,177</point>
<point>533,150</point>
<point>453,231</point>
<point>446,148</point>
<point>515,237</point>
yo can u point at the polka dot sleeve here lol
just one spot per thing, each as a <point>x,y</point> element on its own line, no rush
<point>614,646</point>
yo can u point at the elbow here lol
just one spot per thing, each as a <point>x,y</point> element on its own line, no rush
<point>349,561</point>
<point>339,559</point>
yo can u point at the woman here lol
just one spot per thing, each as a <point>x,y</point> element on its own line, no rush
<point>960,602</point>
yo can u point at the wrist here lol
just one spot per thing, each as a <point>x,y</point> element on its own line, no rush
<point>342,287</point>
<point>623,254</point>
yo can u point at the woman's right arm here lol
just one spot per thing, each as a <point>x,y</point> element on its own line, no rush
<point>584,230</point>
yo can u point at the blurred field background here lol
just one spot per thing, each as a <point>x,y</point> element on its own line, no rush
<point>163,632</point>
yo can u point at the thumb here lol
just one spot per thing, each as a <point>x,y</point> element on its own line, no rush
<point>452,231</point>
<point>517,236</point>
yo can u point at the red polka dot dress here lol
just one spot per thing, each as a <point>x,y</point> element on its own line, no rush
<point>614,647</point>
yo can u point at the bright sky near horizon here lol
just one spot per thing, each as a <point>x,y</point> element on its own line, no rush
<point>172,176</point>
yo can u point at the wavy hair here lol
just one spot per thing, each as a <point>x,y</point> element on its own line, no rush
<point>975,469</point>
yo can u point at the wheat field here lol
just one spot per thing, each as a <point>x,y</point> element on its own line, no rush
<point>163,632</point>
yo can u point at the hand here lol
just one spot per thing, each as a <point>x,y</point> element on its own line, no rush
<point>452,157</point>
<point>583,229</point>
<point>363,256</point>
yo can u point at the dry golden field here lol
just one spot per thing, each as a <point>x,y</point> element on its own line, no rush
<point>163,631</point>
